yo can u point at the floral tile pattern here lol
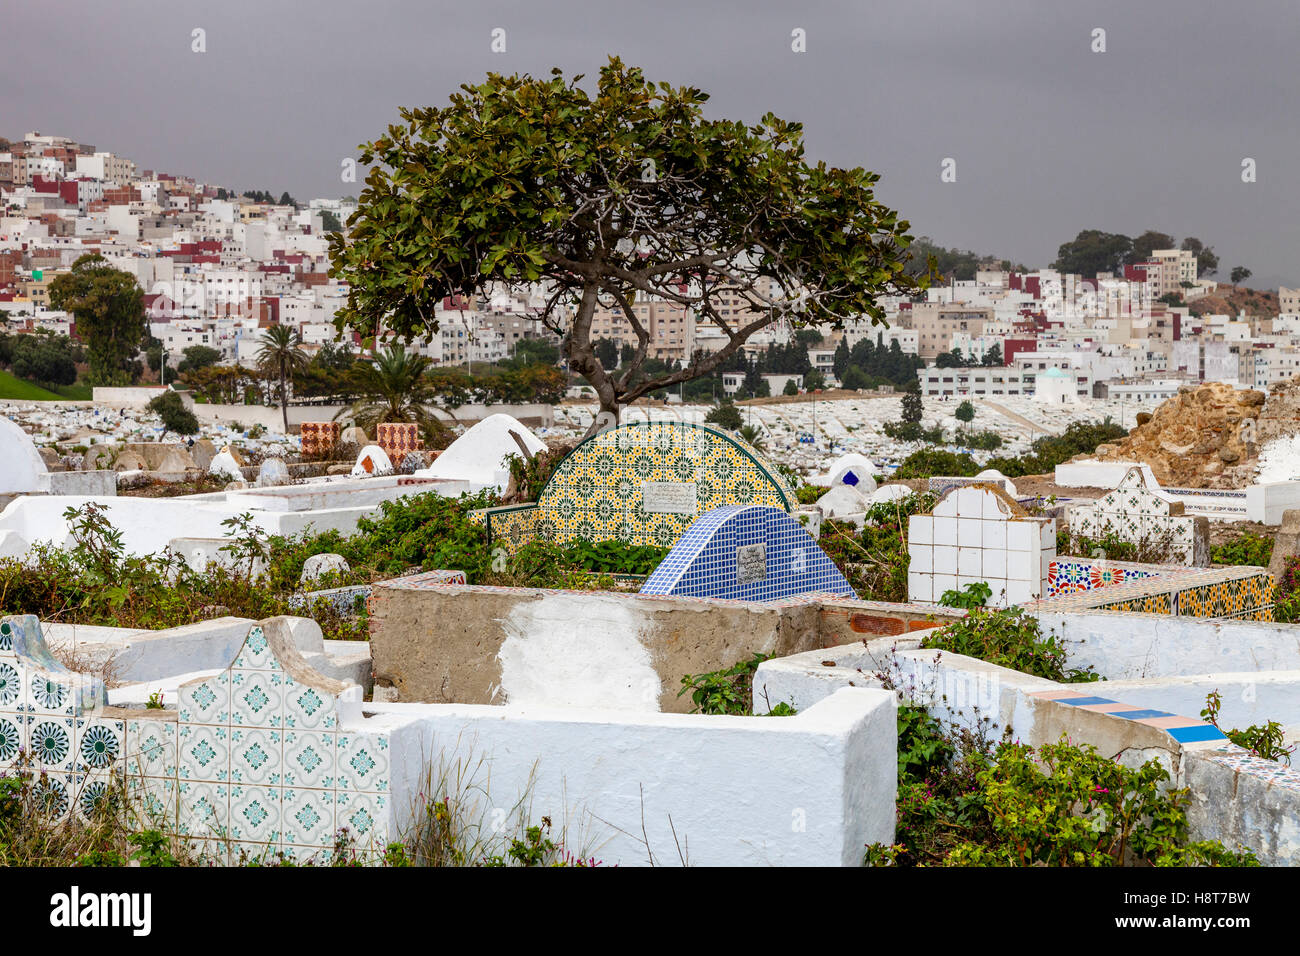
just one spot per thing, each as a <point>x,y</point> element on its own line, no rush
<point>255,759</point>
<point>644,483</point>
<point>398,439</point>
<point>318,437</point>
<point>1244,593</point>
<point>510,526</point>
<point>1071,575</point>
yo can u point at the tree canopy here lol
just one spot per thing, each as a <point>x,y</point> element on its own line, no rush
<point>1149,242</point>
<point>605,199</point>
<point>108,306</point>
<point>1093,251</point>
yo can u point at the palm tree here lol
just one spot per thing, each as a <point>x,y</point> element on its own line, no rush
<point>394,387</point>
<point>281,355</point>
<point>753,434</point>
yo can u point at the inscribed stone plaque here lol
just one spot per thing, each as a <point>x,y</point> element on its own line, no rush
<point>751,563</point>
<point>669,497</point>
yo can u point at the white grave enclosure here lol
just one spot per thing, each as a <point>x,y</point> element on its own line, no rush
<point>979,534</point>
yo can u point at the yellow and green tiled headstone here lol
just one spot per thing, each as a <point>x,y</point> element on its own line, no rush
<point>645,482</point>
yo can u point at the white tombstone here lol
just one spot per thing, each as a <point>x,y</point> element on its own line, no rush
<point>353,435</point>
<point>853,470</point>
<point>273,471</point>
<point>318,565</point>
<point>843,503</point>
<point>20,463</point>
<point>13,545</point>
<point>979,535</point>
<point>479,455</point>
<point>224,464</point>
<point>373,460</point>
<point>995,476</point>
<point>176,460</point>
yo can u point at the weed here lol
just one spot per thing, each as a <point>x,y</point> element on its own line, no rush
<point>1267,741</point>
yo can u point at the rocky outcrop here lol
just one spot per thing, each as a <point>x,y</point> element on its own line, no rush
<point>1208,436</point>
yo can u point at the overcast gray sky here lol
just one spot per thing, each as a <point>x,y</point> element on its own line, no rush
<point>1048,136</point>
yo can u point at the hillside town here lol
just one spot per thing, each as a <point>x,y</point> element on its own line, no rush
<point>217,268</point>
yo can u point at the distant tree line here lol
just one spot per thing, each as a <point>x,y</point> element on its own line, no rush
<point>41,357</point>
<point>871,364</point>
<point>259,195</point>
<point>952,264</point>
<point>1093,251</point>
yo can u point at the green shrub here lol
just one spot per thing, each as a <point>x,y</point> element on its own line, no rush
<point>1065,805</point>
<point>973,595</point>
<point>809,494</point>
<point>1246,548</point>
<point>982,441</point>
<point>964,802</point>
<point>726,415</point>
<point>726,691</point>
<point>929,462</point>
<point>175,416</point>
<point>1010,638</point>
<point>1267,741</point>
<point>425,531</point>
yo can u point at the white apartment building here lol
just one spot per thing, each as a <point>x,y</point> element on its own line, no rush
<point>176,337</point>
<point>1288,301</point>
<point>1263,367</point>
<point>107,168</point>
<point>1148,392</point>
<point>991,382</point>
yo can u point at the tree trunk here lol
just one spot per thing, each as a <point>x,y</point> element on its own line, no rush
<point>582,359</point>
<point>607,416</point>
<point>284,401</point>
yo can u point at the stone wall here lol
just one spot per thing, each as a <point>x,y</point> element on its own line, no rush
<point>482,645</point>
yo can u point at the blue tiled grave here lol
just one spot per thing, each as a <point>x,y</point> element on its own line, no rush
<point>746,553</point>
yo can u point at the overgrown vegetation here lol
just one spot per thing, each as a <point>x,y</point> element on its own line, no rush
<point>1010,638</point>
<point>1286,593</point>
<point>874,560</point>
<point>1079,438</point>
<point>1246,548</point>
<point>966,800</point>
<point>1149,549</point>
<point>726,691</point>
<point>929,462</point>
<point>97,582</point>
<point>973,595</point>
<point>730,691</point>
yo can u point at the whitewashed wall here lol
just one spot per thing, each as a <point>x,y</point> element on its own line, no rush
<point>808,790</point>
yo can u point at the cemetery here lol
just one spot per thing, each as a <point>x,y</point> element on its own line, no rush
<point>488,676</point>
